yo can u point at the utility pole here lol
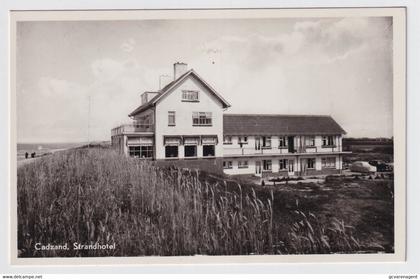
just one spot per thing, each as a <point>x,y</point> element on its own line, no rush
<point>88,122</point>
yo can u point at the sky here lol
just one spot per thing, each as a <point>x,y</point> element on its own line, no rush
<point>326,66</point>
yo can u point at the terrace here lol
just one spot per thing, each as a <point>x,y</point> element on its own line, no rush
<point>273,151</point>
<point>133,129</point>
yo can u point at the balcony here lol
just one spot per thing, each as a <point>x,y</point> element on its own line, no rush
<point>133,128</point>
<point>264,151</point>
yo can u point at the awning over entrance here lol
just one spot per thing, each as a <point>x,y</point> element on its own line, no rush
<point>209,140</point>
<point>190,140</point>
<point>173,141</point>
<point>140,141</point>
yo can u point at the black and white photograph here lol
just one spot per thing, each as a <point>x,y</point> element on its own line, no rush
<point>239,135</point>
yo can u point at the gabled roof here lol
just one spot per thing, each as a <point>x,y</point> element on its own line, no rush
<point>165,90</point>
<point>275,124</point>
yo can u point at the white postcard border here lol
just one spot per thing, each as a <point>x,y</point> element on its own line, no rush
<point>399,106</point>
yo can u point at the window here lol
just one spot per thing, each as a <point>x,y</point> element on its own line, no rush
<point>328,140</point>
<point>328,162</point>
<point>243,164</point>
<point>283,164</point>
<point>282,142</point>
<point>266,142</point>
<point>267,165</point>
<point>310,141</point>
<point>171,151</point>
<point>227,164</point>
<point>190,96</point>
<point>208,151</point>
<point>227,140</point>
<point>190,151</point>
<point>310,163</point>
<point>141,151</point>
<point>202,119</point>
<point>171,118</point>
<point>243,140</point>
<point>146,151</point>
<point>134,151</point>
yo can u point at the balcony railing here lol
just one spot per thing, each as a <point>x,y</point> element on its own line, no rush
<point>280,151</point>
<point>132,128</point>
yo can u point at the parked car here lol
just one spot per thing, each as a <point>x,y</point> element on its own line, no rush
<point>362,166</point>
<point>381,166</point>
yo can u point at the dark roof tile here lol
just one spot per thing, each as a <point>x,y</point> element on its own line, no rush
<point>266,124</point>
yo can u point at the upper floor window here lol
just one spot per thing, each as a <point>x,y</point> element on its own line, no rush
<point>190,95</point>
<point>328,140</point>
<point>171,118</point>
<point>202,118</point>
<point>266,142</point>
<point>310,141</point>
<point>282,141</point>
<point>243,140</point>
<point>227,140</point>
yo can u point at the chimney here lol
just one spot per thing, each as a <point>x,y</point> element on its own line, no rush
<point>164,80</point>
<point>147,96</point>
<point>179,69</point>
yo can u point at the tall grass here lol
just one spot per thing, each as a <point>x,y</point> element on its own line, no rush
<point>90,196</point>
<point>98,196</point>
<point>310,236</point>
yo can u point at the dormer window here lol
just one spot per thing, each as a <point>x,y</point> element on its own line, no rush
<point>189,96</point>
<point>227,140</point>
<point>243,140</point>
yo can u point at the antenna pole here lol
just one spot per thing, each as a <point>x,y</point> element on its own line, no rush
<point>88,122</point>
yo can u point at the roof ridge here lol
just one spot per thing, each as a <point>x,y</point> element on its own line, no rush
<point>277,114</point>
<point>170,85</point>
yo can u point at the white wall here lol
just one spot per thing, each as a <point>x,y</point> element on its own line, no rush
<point>236,170</point>
<point>235,148</point>
<point>173,102</point>
<point>275,163</point>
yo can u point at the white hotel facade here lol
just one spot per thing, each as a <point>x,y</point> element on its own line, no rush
<point>184,123</point>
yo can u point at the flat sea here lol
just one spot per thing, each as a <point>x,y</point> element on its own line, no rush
<point>42,149</point>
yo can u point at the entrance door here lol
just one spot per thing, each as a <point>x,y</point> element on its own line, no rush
<point>291,167</point>
<point>303,164</point>
<point>258,168</point>
<point>291,144</point>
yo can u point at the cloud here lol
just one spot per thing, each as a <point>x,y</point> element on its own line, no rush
<point>314,41</point>
<point>106,69</point>
<point>312,65</point>
<point>54,89</point>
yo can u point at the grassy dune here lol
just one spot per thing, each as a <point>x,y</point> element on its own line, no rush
<point>97,195</point>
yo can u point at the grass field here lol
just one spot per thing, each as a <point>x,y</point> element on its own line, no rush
<point>96,195</point>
